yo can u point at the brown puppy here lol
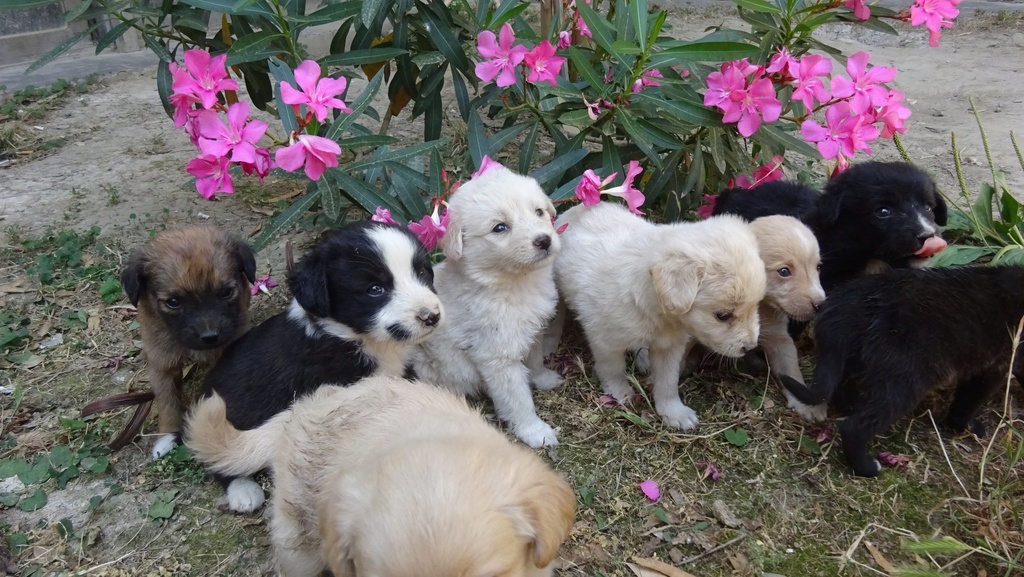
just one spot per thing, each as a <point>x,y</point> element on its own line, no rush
<point>191,288</point>
<point>397,478</point>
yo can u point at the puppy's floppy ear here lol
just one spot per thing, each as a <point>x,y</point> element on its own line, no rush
<point>247,259</point>
<point>550,208</point>
<point>828,208</point>
<point>451,242</point>
<point>133,277</point>
<point>308,284</point>
<point>940,210</point>
<point>544,514</point>
<point>676,278</point>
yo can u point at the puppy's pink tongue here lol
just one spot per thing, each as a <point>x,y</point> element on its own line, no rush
<point>933,245</point>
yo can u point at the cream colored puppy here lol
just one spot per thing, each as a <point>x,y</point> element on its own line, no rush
<point>791,262</point>
<point>498,291</point>
<point>397,478</point>
<point>633,284</point>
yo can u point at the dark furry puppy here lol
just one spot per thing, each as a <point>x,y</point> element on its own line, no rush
<point>871,217</point>
<point>191,288</point>
<point>364,296</point>
<point>884,341</point>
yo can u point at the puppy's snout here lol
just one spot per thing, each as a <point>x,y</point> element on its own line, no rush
<point>543,242</point>
<point>209,337</point>
<point>818,304</point>
<point>429,318</point>
<point>924,235</point>
<point>747,348</point>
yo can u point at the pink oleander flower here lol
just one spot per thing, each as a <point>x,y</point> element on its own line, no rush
<point>501,57</point>
<point>192,129</point>
<point>564,39</point>
<point>431,228</point>
<point>710,471</point>
<point>892,114</point>
<point>588,191</point>
<point>211,174</point>
<point>183,107</point>
<point>261,167</point>
<point>582,26</point>
<point>650,489</point>
<point>807,83</point>
<point>863,88</point>
<point>543,65</point>
<point>238,138</point>
<point>743,103</point>
<point>646,79</point>
<point>707,209</point>
<point>593,109</point>
<point>780,62</point>
<point>772,170</point>
<point>315,152</point>
<point>383,215</point>
<point>203,76</point>
<point>844,133</point>
<point>263,285</point>
<point>318,94</point>
<point>935,15</point>
<point>633,197</point>
<point>486,165</point>
<point>860,10</point>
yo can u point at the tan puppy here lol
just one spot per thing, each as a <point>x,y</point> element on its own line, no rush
<point>633,284</point>
<point>397,478</point>
<point>498,290</point>
<point>191,288</point>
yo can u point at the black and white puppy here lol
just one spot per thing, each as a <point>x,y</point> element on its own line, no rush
<point>871,217</point>
<point>884,341</point>
<point>363,297</point>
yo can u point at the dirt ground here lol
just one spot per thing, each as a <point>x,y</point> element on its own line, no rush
<point>784,504</point>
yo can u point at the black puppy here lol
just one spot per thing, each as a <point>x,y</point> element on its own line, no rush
<point>363,296</point>
<point>884,341</point>
<point>872,216</point>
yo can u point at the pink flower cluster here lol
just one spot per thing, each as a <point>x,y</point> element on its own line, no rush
<point>935,15</point>
<point>502,58</point>
<point>197,107</point>
<point>591,187</point>
<point>195,88</point>
<point>743,93</point>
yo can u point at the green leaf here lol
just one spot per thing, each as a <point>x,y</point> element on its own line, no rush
<point>329,14</point>
<point>878,25</point>
<point>61,457</point>
<point>549,174</point>
<point>660,515</point>
<point>501,14</point>
<point>371,9</point>
<point>528,149</point>
<point>287,218</point>
<point>66,475</point>
<point>9,499</point>
<point>74,13</point>
<point>582,65</point>
<point>364,56</point>
<point>640,140</point>
<point>364,195</point>
<point>65,528</point>
<point>258,8</point>
<point>685,111</point>
<point>736,437</point>
<point>367,141</point>
<point>59,49</point>
<point>476,136</point>
<point>600,28</point>
<point>775,135</point>
<point>394,155</point>
<point>164,79</point>
<point>33,502</point>
<point>253,47</point>
<point>505,136</point>
<point>24,4</point>
<point>330,198</point>
<point>634,418</point>
<point>659,21</point>
<point>160,510</point>
<point>12,467</point>
<point>638,11</point>
<point>158,48</point>
<point>443,38</point>
<point>283,73</point>
<point>943,546</point>
<point>17,542</point>
<point>758,6</point>
<point>461,94</point>
<point>809,445</point>
<point>39,472</point>
<point>701,52</point>
<point>341,124</point>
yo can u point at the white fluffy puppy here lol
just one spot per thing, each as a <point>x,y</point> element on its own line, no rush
<point>498,291</point>
<point>634,284</point>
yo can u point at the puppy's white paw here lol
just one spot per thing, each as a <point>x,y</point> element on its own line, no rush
<point>537,434</point>
<point>813,413</point>
<point>678,415</point>
<point>547,380</point>
<point>642,361</point>
<point>244,495</point>
<point>164,445</point>
<point>622,392</point>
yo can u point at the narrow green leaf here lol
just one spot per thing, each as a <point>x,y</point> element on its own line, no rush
<point>528,149</point>
<point>638,12</point>
<point>445,41</point>
<point>33,502</point>
<point>943,546</point>
<point>394,155</point>
<point>517,9</point>
<point>663,175</point>
<point>59,49</point>
<point>567,190</point>
<point>367,141</point>
<point>113,34</point>
<point>685,111</point>
<point>610,159</point>
<point>787,141</point>
<point>24,4</point>
<point>701,52</point>
<point>408,185</point>
<point>461,94</point>
<point>477,138</point>
<point>878,25</point>
<point>330,198</point>
<point>600,28</point>
<point>436,174</point>
<point>659,22</point>
<point>74,13</point>
<point>657,136</point>
<point>758,6</point>
<point>364,56</point>
<point>329,14</point>
<point>290,216</point>
<point>549,174</point>
<point>364,195</point>
<point>371,9</point>
<point>258,8</point>
<point>505,136</point>
<point>639,137</point>
<point>164,78</point>
<point>358,106</point>
<point>433,118</point>
<point>497,19</point>
<point>252,47</point>
<point>582,65</point>
<point>158,48</point>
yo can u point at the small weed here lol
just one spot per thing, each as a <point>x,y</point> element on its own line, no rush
<point>163,507</point>
<point>113,195</point>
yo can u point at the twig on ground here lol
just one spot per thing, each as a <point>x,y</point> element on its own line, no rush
<point>715,549</point>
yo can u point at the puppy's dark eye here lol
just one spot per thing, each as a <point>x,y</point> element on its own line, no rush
<point>784,272</point>
<point>172,303</point>
<point>929,207</point>
<point>226,292</point>
<point>883,212</point>
<point>723,316</point>
<point>819,267</point>
<point>375,290</point>
<point>500,227</point>
<point>540,212</point>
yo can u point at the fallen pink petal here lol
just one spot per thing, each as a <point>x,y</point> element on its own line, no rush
<point>891,460</point>
<point>263,284</point>
<point>651,489</point>
<point>608,401</point>
<point>710,470</point>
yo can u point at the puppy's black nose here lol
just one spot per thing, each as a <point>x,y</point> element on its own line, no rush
<point>817,305</point>
<point>542,242</point>
<point>209,337</point>
<point>429,318</point>
<point>924,235</point>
